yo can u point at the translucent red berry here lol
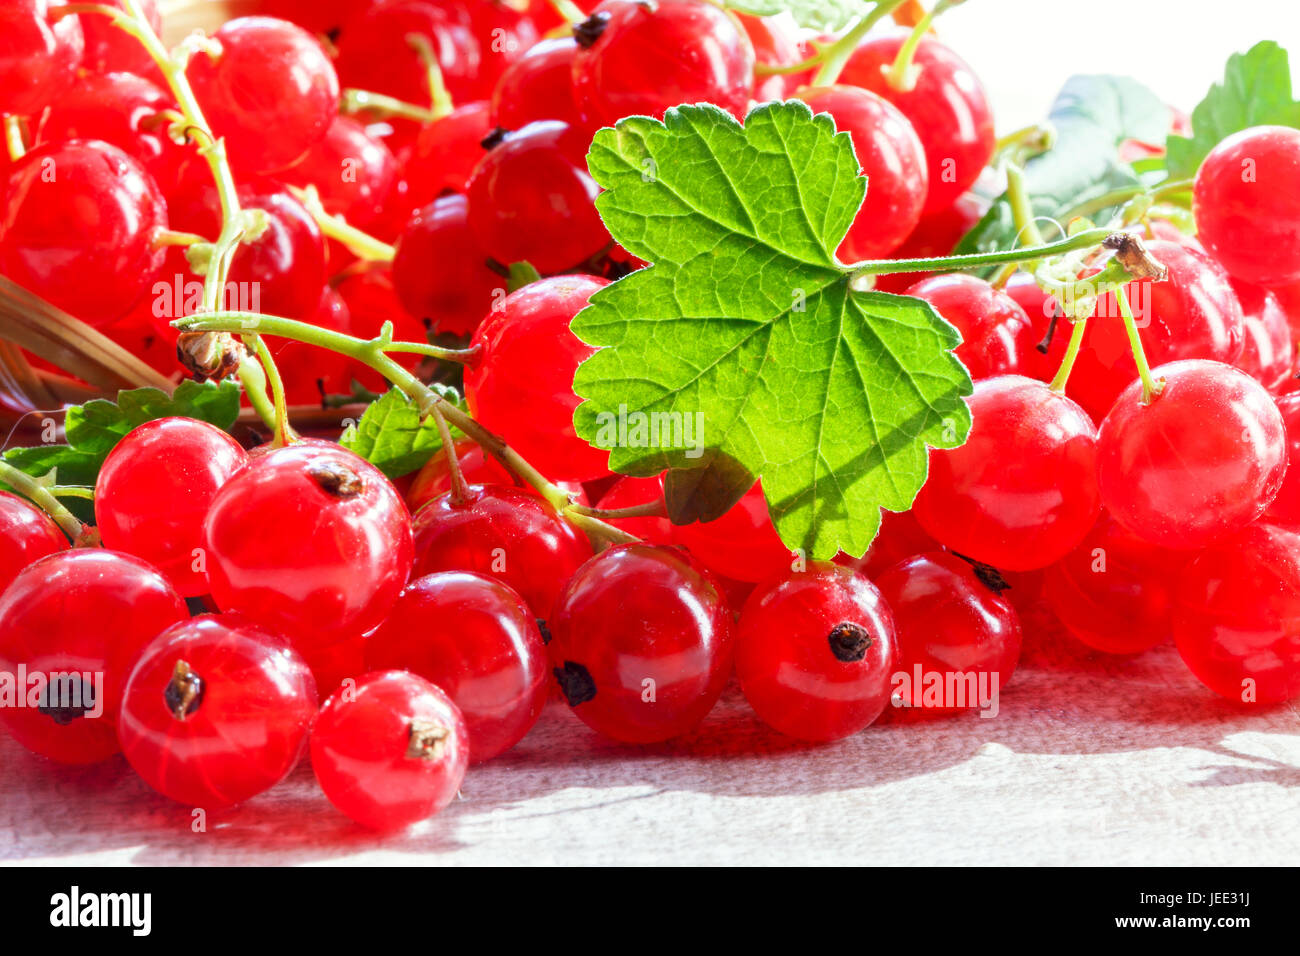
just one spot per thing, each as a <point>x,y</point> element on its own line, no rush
<point>997,336</point>
<point>538,86</point>
<point>109,48</point>
<point>27,534</point>
<point>39,55</point>
<point>742,544</point>
<point>1268,353</point>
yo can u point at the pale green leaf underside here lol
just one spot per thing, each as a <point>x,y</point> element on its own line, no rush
<point>746,323</point>
<point>827,15</point>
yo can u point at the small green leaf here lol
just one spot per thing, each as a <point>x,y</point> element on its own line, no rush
<point>1092,115</point>
<point>392,437</point>
<point>1256,91</point>
<point>829,16</point>
<point>742,350</point>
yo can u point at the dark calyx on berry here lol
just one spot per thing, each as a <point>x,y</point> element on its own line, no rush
<point>336,479</point>
<point>575,682</point>
<point>76,698</point>
<point>589,30</point>
<point>989,576</point>
<point>494,138</point>
<point>545,631</point>
<point>1133,255</point>
<point>427,740</point>
<point>184,692</point>
<point>849,642</point>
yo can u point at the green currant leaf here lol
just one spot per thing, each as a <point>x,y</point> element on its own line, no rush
<point>743,350</point>
<point>1092,115</point>
<point>828,16</point>
<point>1256,91</point>
<point>392,437</point>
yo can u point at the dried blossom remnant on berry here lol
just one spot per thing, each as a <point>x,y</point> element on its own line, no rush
<point>210,356</point>
<point>184,692</point>
<point>575,683</point>
<point>336,479</point>
<point>1132,254</point>
<point>427,740</point>
<point>988,575</point>
<point>589,30</point>
<point>849,642</point>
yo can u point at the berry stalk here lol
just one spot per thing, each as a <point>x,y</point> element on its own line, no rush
<point>901,75</point>
<point>835,57</point>
<point>40,495</point>
<point>975,260</point>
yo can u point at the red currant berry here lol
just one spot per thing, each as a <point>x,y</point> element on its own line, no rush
<point>814,653</point>
<point>1194,314</point>
<point>271,93</point>
<point>317,16</point>
<point>27,534</point>
<point>216,711</point>
<point>639,59</point>
<point>477,640</point>
<point>334,664</point>
<point>1285,508</point>
<point>1014,512</point>
<point>442,159</point>
<point>997,336</point>
<point>38,56</point>
<point>352,171</point>
<point>84,237</point>
<point>504,35</point>
<point>434,479</point>
<point>1051,328</point>
<point>440,272</point>
<point>109,48</point>
<point>84,614</point>
<point>891,158</point>
<point>1203,460</point>
<point>775,43</point>
<point>390,752</point>
<point>629,492</point>
<point>154,490</point>
<point>125,110</point>
<point>1114,592</point>
<point>524,376</point>
<point>945,103</point>
<point>310,541</point>
<point>1268,354</point>
<point>900,537</point>
<point>502,532</point>
<point>1251,223</point>
<point>742,544</point>
<point>1237,616</point>
<point>531,199</point>
<point>309,373</point>
<point>538,86</point>
<point>958,640</point>
<point>642,643</point>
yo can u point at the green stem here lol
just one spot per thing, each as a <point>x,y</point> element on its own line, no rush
<point>364,101</point>
<point>439,99</point>
<point>39,494</point>
<point>1116,197</point>
<point>253,379</point>
<point>459,490</point>
<point>361,244</point>
<point>14,141</point>
<point>283,434</point>
<point>1150,388</point>
<point>1071,353</point>
<point>72,491</point>
<point>1022,209</point>
<point>568,11</point>
<point>901,75</point>
<point>651,509</point>
<point>169,238</point>
<point>976,260</point>
<point>835,57</point>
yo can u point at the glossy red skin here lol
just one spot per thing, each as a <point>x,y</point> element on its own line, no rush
<point>475,638</point>
<point>317,16</point>
<point>434,479</point>
<point>522,384</point>
<point>742,544</point>
<point>372,301</point>
<point>502,532</point>
<point>542,13</point>
<point>936,234</point>
<point>531,199</point>
<point>1020,511</point>
<point>282,271</point>
<point>504,35</point>
<point>85,610</point>
<point>359,751</point>
<point>440,271</point>
<point>785,663</point>
<point>249,729</point>
<point>154,490</point>
<point>84,238</point>
<point>38,56</point>
<point>122,109</point>
<point>109,47</point>
<point>27,534</point>
<point>1115,592</point>
<point>296,559</point>
<point>1202,461</point>
<point>947,107</point>
<point>443,157</point>
<point>307,369</point>
<point>949,622</point>
<point>1288,297</point>
<point>1039,308</point>
<point>352,171</point>
<point>272,93</point>
<point>636,613</point>
<point>1237,616</point>
<point>1285,508</point>
<point>997,335</point>
<point>1252,225</point>
<point>332,665</point>
<point>892,159</point>
<point>1193,314</point>
<point>374,56</point>
<point>538,86</point>
<point>1268,353</point>
<point>899,538</point>
<point>147,341</point>
<point>650,58</point>
<point>775,44</point>
<point>629,492</point>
